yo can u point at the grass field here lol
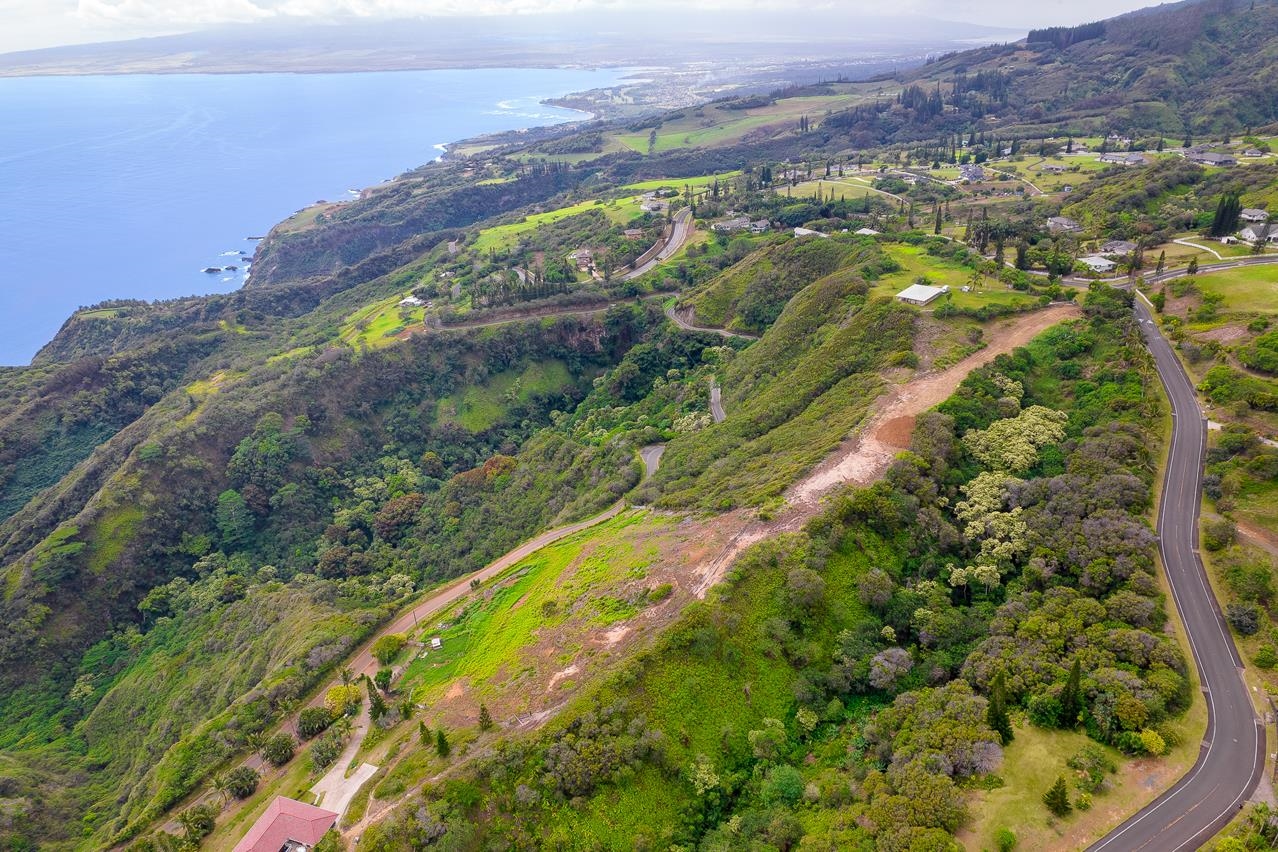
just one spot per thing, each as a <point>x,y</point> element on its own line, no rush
<point>481,407</point>
<point>619,211</point>
<point>377,324</point>
<point>680,183</point>
<point>100,313</point>
<point>713,125</point>
<point>1248,289</point>
<point>561,591</point>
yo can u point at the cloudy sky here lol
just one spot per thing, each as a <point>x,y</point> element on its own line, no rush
<point>29,24</point>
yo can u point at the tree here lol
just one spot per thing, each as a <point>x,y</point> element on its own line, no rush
<point>197,822</point>
<point>485,718</point>
<point>1225,221</point>
<point>376,705</point>
<point>1057,798</point>
<point>423,733</point>
<point>1162,263</point>
<point>278,750</point>
<point>387,647</point>
<point>312,721</point>
<point>441,743</point>
<point>383,679</point>
<point>240,782</point>
<point>1071,696</point>
<point>234,520</point>
<point>1192,269</point>
<point>996,712</point>
<point>936,229</point>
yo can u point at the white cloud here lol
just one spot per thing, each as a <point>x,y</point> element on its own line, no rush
<point>41,23</point>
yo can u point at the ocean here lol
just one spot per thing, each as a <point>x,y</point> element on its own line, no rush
<point>130,186</point>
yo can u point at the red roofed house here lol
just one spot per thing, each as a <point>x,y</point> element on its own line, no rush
<point>287,826</point>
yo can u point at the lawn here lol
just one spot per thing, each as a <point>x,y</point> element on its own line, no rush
<point>1248,289</point>
<point>481,407</point>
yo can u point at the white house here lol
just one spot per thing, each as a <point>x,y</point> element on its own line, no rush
<point>866,232</point>
<point>1063,225</point>
<point>1259,233</point>
<point>1098,264</point>
<point>411,302</point>
<point>808,232</point>
<point>921,294</point>
<point>1251,214</point>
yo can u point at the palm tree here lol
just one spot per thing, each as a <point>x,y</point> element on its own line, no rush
<point>286,707</point>
<point>347,676</point>
<point>222,786</point>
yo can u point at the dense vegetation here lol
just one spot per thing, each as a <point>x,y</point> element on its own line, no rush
<point>851,665</point>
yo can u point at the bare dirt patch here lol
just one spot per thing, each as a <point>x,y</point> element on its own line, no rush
<point>866,455</point>
<point>1225,334</point>
<point>1260,537</point>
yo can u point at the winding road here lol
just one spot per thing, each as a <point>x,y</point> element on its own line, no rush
<point>681,230</point>
<point>1232,756</point>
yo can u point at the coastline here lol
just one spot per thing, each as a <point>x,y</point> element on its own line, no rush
<point>177,273</point>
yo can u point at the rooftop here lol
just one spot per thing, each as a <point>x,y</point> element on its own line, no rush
<point>287,822</point>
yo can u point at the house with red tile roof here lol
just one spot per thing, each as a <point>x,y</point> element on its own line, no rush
<point>287,826</point>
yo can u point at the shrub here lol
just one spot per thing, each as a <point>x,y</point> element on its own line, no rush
<point>326,750</point>
<point>1152,743</point>
<point>241,782</point>
<point>1244,617</point>
<point>278,750</point>
<point>1092,764</point>
<point>1004,840</point>
<point>1045,710</point>
<point>313,721</point>
<point>1083,801</point>
<point>660,593</point>
<point>383,679</point>
<point>1218,533</point>
<point>1265,658</point>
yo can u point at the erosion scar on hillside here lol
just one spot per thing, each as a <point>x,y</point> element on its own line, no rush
<point>865,455</point>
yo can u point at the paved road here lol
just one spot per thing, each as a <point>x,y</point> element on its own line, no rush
<point>716,402</point>
<point>681,230</point>
<point>1232,756</point>
<point>683,322</point>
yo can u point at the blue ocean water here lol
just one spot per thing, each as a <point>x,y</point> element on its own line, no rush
<point>130,186</point>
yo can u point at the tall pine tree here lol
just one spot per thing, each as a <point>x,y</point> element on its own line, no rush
<point>996,711</point>
<point>1071,696</point>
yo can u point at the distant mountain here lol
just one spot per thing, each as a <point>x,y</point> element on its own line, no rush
<point>1204,66</point>
<point>581,38</point>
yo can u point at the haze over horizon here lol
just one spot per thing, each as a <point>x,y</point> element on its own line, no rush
<point>36,24</point>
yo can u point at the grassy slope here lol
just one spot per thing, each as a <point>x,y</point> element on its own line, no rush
<point>791,397</point>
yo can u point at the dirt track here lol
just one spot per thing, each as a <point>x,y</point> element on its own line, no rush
<point>865,456</point>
